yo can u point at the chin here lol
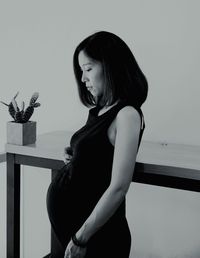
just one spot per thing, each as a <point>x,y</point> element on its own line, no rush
<point>94,94</point>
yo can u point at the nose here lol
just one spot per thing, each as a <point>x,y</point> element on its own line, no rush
<point>84,77</point>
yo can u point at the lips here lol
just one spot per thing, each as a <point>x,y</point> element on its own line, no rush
<point>89,88</point>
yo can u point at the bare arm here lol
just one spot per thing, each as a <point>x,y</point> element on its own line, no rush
<point>126,144</point>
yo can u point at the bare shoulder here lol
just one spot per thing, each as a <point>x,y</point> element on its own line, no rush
<point>127,115</point>
<point>127,124</point>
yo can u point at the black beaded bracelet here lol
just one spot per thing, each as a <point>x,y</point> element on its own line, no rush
<point>77,242</point>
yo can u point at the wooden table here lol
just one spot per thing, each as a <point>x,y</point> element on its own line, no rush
<point>169,165</point>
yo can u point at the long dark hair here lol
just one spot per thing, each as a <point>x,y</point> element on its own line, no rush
<point>124,79</point>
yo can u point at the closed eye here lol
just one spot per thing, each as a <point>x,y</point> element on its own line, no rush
<point>86,70</point>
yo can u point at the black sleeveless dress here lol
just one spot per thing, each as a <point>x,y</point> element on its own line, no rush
<point>77,188</point>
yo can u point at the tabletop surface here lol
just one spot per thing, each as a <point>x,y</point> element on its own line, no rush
<point>51,145</point>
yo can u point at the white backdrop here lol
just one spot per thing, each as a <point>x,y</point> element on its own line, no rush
<point>37,40</point>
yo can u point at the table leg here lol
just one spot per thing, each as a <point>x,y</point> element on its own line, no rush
<point>55,244</point>
<point>13,207</point>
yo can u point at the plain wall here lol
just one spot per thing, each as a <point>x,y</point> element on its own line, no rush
<point>37,41</point>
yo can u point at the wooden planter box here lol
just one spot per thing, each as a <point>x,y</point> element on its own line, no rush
<point>21,133</point>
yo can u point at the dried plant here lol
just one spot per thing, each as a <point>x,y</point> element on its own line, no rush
<point>22,115</point>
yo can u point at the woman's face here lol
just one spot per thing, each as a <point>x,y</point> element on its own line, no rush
<point>92,74</point>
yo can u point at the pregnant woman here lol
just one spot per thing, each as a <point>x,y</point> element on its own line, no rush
<point>86,201</point>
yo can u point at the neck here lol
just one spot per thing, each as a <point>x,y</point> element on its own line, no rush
<point>106,107</point>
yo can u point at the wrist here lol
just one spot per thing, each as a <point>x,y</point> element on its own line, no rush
<point>83,234</point>
<point>78,242</point>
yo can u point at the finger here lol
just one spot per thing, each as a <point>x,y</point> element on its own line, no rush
<point>67,156</point>
<point>67,255</point>
<point>65,161</point>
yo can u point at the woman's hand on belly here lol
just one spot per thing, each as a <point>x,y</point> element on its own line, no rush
<point>73,251</point>
<point>66,156</point>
